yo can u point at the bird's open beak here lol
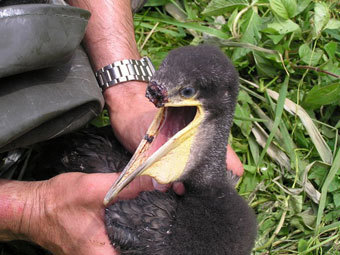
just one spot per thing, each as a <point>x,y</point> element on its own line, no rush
<point>165,149</point>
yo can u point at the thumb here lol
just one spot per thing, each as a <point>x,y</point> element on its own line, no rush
<point>101,183</point>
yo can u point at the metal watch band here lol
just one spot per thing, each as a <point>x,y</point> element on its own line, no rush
<point>125,70</point>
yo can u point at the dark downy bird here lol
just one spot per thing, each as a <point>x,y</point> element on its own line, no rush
<point>196,90</point>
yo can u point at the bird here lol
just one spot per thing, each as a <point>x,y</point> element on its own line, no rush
<point>195,89</point>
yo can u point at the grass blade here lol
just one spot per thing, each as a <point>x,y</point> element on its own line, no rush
<point>334,169</point>
<point>273,151</point>
<point>187,25</point>
<point>278,114</point>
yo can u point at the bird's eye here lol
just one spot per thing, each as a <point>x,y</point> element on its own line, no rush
<point>188,92</point>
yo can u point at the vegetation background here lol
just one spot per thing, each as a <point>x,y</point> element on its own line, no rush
<point>287,120</point>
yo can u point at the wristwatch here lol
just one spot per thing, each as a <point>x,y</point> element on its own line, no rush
<point>125,70</point>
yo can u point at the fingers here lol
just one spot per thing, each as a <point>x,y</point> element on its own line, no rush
<point>139,184</point>
<point>95,186</point>
<point>233,162</point>
<point>178,187</point>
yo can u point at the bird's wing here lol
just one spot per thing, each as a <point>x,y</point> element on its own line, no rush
<point>90,150</point>
<point>143,223</point>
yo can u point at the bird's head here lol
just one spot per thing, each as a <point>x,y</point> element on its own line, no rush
<point>195,75</point>
<point>193,85</point>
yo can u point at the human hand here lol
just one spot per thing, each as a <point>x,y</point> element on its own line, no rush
<point>234,164</point>
<point>66,214</point>
<point>130,111</point>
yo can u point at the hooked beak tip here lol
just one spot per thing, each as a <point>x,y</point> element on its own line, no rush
<point>110,195</point>
<point>107,200</point>
<point>157,94</point>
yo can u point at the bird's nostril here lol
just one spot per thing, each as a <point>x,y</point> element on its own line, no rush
<point>157,94</point>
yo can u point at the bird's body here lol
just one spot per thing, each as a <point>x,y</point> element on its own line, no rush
<point>168,224</point>
<point>210,218</point>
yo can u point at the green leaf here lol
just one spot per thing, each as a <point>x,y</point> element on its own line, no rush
<point>250,169</point>
<point>334,185</point>
<point>219,7</point>
<point>318,173</point>
<point>324,95</point>
<point>276,38</point>
<point>321,17</point>
<point>283,8</point>
<point>333,33</point>
<point>284,27</point>
<point>302,6</point>
<point>268,223</point>
<point>244,98</point>
<point>264,66</point>
<point>251,33</point>
<point>231,19</point>
<point>331,48</point>
<point>337,125</point>
<point>302,245</point>
<point>249,182</point>
<point>308,218</point>
<point>333,215</point>
<point>296,203</point>
<point>245,126</point>
<point>336,198</point>
<point>308,56</point>
<point>297,223</point>
<point>333,24</point>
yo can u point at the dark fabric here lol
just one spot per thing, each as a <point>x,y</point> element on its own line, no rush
<point>34,36</point>
<point>47,86</point>
<point>42,104</point>
<point>16,2</point>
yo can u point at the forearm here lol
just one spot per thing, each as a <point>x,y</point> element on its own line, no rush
<point>17,201</point>
<point>110,34</point>
<point>109,38</point>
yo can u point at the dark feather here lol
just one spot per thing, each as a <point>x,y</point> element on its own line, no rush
<point>142,225</point>
<point>90,150</point>
<point>167,224</point>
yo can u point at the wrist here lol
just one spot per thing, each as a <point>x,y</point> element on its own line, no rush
<point>130,112</point>
<point>125,95</point>
<point>19,208</point>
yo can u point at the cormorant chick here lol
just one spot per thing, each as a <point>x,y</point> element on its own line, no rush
<point>196,89</point>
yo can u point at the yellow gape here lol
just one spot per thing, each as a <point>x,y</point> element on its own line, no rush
<point>168,163</point>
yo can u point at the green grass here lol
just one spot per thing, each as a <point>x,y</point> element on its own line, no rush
<point>287,120</point>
